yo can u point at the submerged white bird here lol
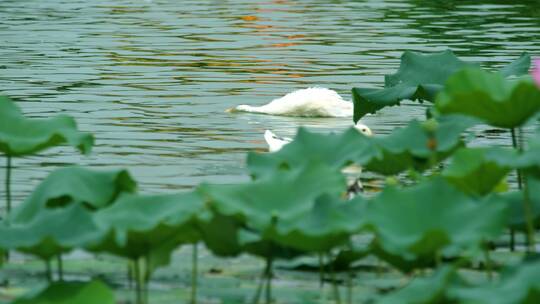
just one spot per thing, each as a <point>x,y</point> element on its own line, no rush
<point>275,143</point>
<point>310,102</point>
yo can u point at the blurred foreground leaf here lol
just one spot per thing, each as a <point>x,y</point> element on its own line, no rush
<point>93,292</point>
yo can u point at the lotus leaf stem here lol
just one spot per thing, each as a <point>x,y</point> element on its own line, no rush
<point>334,281</point>
<point>518,172</point>
<point>522,184</point>
<point>349,286</point>
<point>194,272</point>
<point>517,147</point>
<point>60,267</point>
<point>321,270</point>
<point>48,273</point>
<point>146,278</point>
<point>257,295</point>
<point>130,274</point>
<point>488,262</point>
<point>512,239</point>
<point>268,271</point>
<point>138,292</point>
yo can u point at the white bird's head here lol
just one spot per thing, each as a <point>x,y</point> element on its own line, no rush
<point>363,129</point>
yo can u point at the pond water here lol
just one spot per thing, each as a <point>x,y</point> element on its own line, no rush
<point>151,79</point>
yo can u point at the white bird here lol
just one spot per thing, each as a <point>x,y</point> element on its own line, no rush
<point>310,102</point>
<point>275,143</point>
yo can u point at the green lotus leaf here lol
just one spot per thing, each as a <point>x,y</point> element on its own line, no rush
<point>94,189</point>
<point>22,136</point>
<point>420,77</point>
<point>425,290</point>
<point>328,224</point>
<point>221,235</point>
<point>264,246</point>
<point>337,151</point>
<point>71,293</point>
<point>488,96</point>
<point>520,284</point>
<point>51,232</point>
<point>281,196</point>
<point>149,225</point>
<point>432,219</point>
<point>416,146</point>
<point>479,170</point>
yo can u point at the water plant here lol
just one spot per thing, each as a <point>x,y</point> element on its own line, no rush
<point>21,136</point>
<point>448,213</point>
<point>145,229</point>
<point>421,77</point>
<point>71,293</point>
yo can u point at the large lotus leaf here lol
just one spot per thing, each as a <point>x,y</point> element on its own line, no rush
<point>337,151</point>
<point>227,236</point>
<point>417,146</point>
<point>280,196</point>
<point>22,136</point>
<point>328,224</point>
<point>424,290</point>
<point>432,218</point>
<point>221,235</point>
<point>520,285</point>
<point>93,292</point>
<point>149,226</point>
<point>488,96</point>
<point>479,170</point>
<point>94,189</point>
<point>420,77</point>
<point>51,232</point>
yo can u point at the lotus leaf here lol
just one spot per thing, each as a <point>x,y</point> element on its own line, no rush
<point>489,97</point>
<point>430,290</point>
<point>94,189</point>
<point>431,219</point>
<point>22,136</point>
<point>420,77</point>
<point>518,285</point>
<point>417,146</point>
<point>220,235</point>
<point>264,246</point>
<point>71,293</point>
<point>281,196</point>
<point>328,224</point>
<point>149,226</point>
<point>51,232</point>
<point>337,151</point>
<point>479,170</point>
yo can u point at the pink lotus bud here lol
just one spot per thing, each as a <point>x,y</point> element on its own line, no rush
<point>536,71</point>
